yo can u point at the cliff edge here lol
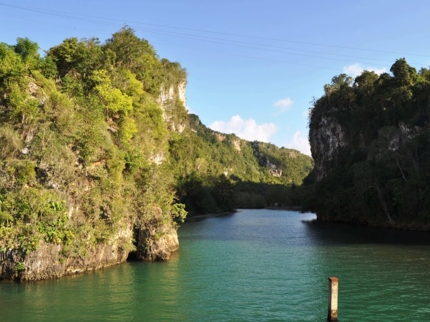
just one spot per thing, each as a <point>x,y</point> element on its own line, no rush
<point>84,177</point>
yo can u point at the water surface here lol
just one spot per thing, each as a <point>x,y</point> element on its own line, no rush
<point>255,265</point>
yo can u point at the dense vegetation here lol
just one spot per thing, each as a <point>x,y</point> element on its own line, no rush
<point>90,148</point>
<point>79,131</point>
<point>379,171</point>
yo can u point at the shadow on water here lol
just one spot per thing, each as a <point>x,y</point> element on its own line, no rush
<point>330,234</point>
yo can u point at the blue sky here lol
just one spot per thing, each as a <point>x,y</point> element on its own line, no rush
<point>253,66</point>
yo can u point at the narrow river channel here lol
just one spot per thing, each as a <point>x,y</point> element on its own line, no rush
<point>255,265</point>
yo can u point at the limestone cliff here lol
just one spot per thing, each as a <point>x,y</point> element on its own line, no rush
<point>172,99</point>
<point>326,138</point>
<point>369,138</point>
<point>156,244</point>
<point>47,262</point>
<point>83,173</point>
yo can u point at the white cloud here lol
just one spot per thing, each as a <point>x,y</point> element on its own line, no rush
<point>300,143</point>
<point>188,109</point>
<point>356,69</point>
<point>283,105</point>
<point>245,129</point>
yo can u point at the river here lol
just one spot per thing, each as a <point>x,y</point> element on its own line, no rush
<point>255,265</point>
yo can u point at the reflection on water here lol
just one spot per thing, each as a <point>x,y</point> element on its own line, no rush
<point>256,265</point>
<point>326,233</point>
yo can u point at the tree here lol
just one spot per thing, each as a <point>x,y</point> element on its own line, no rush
<point>224,193</point>
<point>137,55</point>
<point>11,67</point>
<point>81,57</point>
<point>404,75</point>
<point>29,51</point>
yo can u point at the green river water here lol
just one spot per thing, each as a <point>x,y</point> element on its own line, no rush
<point>255,265</point>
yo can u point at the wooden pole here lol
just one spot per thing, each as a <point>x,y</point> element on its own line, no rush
<point>333,287</point>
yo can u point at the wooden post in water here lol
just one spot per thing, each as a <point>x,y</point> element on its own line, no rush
<point>333,288</point>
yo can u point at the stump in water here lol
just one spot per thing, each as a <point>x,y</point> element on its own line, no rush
<point>333,287</point>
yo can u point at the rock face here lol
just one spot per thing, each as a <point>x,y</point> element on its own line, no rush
<point>46,262</point>
<point>172,92</point>
<point>326,141</point>
<point>167,101</point>
<point>273,169</point>
<point>157,245</point>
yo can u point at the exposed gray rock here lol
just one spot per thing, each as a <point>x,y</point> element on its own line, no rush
<point>326,140</point>
<point>47,262</point>
<point>157,244</point>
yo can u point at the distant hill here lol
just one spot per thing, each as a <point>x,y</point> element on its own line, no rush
<point>260,174</point>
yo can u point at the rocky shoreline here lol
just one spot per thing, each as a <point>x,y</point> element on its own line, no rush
<point>47,262</point>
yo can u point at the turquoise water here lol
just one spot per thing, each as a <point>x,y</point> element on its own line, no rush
<point>255,265</point>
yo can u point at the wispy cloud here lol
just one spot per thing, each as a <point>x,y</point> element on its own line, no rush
<point>300,142</point>
<point>283,105</point>
<point>245,129</point>
<point>356,69</point>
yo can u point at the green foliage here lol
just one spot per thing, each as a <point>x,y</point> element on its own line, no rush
<point>23,109</point>
<point>77,58</point>
<point>27,242</point>
<point>9,141</point>
<point>29,51</point>
<point>178,212</point>
<point>11,66</point>
<point>48,67</point>
<point>26,173</point>
<point>112,98</point>
<point>127,128</point>
<point>20,266</point>
<point>197,195</point>
<point>224,193</point>
<point>137,55</point>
